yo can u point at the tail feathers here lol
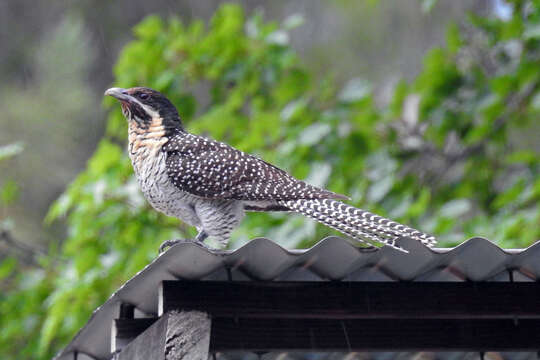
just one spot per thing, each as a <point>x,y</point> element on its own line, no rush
<point>366,235</point>
<point>359,224</point>
<point>361,218</point>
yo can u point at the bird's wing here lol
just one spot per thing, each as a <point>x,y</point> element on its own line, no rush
<point>211,169</point>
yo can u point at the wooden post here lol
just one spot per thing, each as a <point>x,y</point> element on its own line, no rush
<point>183,335</point>
<point>125,312</point>
<point>188,336</point>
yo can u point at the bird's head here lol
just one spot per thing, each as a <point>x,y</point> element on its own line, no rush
<point>144,106</point>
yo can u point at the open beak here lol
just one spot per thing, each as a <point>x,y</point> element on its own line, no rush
<point>119,93</point>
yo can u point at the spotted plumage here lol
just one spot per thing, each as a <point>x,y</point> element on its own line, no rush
<point>210,185</point>
<point>211,169</point>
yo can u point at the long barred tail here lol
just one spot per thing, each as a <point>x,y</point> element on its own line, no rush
<point>359,224</point>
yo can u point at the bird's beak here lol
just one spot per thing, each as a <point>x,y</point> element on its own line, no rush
<point>118,93</point>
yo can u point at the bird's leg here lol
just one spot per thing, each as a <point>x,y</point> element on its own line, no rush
<point>199,239</point>
<point>201,236</point>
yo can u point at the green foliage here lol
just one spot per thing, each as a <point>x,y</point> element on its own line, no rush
<point>9,190</point>
<point>444,155</point>
<point>18,304</point>
<point>51,114</point>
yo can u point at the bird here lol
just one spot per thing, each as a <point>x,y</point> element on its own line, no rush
<point>210,185</point>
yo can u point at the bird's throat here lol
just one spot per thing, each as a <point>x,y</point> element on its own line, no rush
<point>147,137</point>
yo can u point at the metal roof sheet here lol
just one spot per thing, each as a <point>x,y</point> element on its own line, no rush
<point>332,258</point>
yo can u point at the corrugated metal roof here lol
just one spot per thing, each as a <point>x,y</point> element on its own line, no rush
<point>332,258</point>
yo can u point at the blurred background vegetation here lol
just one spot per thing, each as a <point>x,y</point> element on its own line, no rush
<point>422,111</point>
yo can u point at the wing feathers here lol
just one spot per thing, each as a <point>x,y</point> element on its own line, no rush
<point>211,169</point>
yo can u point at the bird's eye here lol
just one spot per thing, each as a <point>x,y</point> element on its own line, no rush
<point>143,96</point>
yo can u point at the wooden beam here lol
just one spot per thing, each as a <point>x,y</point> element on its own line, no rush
<point>260,335</point>
<point>350,300</point>
<point>338,316</point>
<point>175,336</point>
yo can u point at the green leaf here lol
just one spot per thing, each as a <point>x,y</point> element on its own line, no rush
<point>314,133</point>
<point>149,28</point>
<point>9,192</point>
<point>428,5</point>
<point>535,102</point>
<point>532,32</point>
<point>510,195</point>
<point>7,266</point>
<point>164,80</point>
<point>453,38</point>
<point>378,190</point>
<point>293,109</point>
<point>106,156</point>
<point>319,174</point>
<point>419,207</point>
<point>278,37</point>
<point>455,208</point>
<point>522,157</point>
<point>355,90</point>
<point>293,21</point>
<point>10,150</point>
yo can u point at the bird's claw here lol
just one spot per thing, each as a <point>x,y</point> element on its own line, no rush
<point>170,243</point>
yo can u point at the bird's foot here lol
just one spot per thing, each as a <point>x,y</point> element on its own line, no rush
<point>170,243</point>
